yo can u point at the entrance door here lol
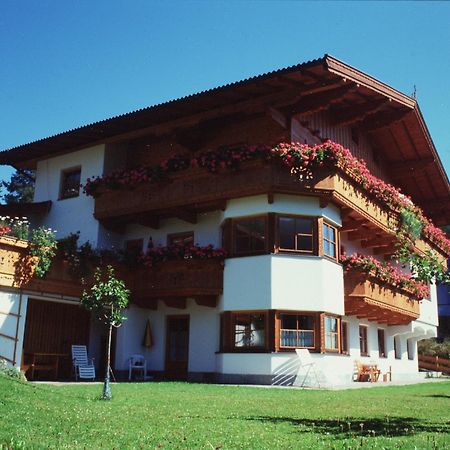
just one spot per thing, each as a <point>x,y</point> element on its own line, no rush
<point>177,347</point>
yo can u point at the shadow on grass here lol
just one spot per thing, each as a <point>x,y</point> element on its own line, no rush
<point>439,396</point>
<point>353,426</point>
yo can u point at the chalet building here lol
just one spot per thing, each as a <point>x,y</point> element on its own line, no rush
<point>247,238</point>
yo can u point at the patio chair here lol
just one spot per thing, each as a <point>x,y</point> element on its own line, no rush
<point>306,362</point>
<point>137,362</point>
<point>83,367</point>
<point>362,372</point>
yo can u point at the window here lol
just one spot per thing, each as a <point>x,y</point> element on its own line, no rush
<point>381,343</point>
<point>331,333</point>
<point>397,348</point>
<point>249,330</point>
<point>250,236</point>
<point>70,183</point>
<point>181,239</point>
<point>344,337</point>
<point>297,330</point>
<point>363,347</point>
<point>329,241</point>
<point>296,234</point>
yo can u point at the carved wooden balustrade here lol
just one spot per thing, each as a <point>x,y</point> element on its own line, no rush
<point>17,270</point>
<point>367,297</point>
<point>192,191</point>
<point>175,281</point>
<point>171,281</point>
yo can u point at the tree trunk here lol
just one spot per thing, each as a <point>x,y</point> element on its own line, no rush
<point>106,386</point>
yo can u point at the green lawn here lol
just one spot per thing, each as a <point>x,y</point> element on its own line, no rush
<point>188,416</point>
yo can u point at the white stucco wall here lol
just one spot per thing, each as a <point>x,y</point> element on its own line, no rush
<point>429,308</point>
<point>206,230</point>
<point>204,323</point>
<point>306,283</point>
<point>72,214</point>
<point>288,204</point>
<point>13,310</point>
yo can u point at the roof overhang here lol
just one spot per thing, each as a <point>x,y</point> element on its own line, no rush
<point>351,97</point>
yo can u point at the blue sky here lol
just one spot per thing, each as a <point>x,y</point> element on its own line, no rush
<point>66,64</point>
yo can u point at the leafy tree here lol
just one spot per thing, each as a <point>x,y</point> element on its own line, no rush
<point>107,299</point>
<point>20,189</point>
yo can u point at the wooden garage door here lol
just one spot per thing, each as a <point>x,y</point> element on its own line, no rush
<point>53,327</point>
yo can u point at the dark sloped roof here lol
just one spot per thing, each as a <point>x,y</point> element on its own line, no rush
<point>402,135</point>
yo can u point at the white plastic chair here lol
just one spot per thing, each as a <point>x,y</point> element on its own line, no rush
<point>83,366</point>
<point>137,362</point>
<point>306,362</point>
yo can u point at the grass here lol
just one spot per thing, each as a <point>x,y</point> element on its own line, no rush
<point>195,416</point>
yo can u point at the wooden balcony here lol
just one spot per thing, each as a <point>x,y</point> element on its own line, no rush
<point>17,270</point>
<point>171,281</point>
<point>197,190</point>
<point>16,266</point>
<point>366,297</point>
<point>187,193</point>
<point>175,281</point>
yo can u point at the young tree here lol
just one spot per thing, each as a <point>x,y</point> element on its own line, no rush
<point>20,189</point>
<point>107,299</point>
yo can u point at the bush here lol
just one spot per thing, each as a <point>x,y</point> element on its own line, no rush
<point>12,372</point>
<point>432,347</point>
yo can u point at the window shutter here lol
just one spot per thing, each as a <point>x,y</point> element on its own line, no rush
<point>225,332</point>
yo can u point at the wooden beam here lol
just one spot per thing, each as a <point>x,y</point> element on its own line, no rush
<point>358,235</point>
<point>389,250</point>
<point>317,102</point>
<point>207,300</point>
<point>114,225</point>
<point>378,241</point>
<point>381,120</point>
<point>149,221</point>
<point>409,167</point>
<point>353,224</point>
<point>175,302</point>
<point>187,216</point>
<point>353,114</point>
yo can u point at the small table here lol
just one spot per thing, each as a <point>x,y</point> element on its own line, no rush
<point>48,362</point>
<point>374,372</point>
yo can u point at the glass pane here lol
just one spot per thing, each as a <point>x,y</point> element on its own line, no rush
<point>330,324</point>
<point>287,232</point>
<point>249,330</point>
<point>326,235</point>
<point>289,321</point>
<point>331,341</point>
<point>71,184</point>
<point>306,322</point>
<point>305,243</point>
<point>288,338</point>
<point>306,339</point>
<point>332,234</point>
<point>250,235</point>
<point>304,226</point>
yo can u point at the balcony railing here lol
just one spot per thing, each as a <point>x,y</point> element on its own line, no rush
<point>366,297</point>
<point>178,280</point>
<point>172,281</point>
<point>186,193</point>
